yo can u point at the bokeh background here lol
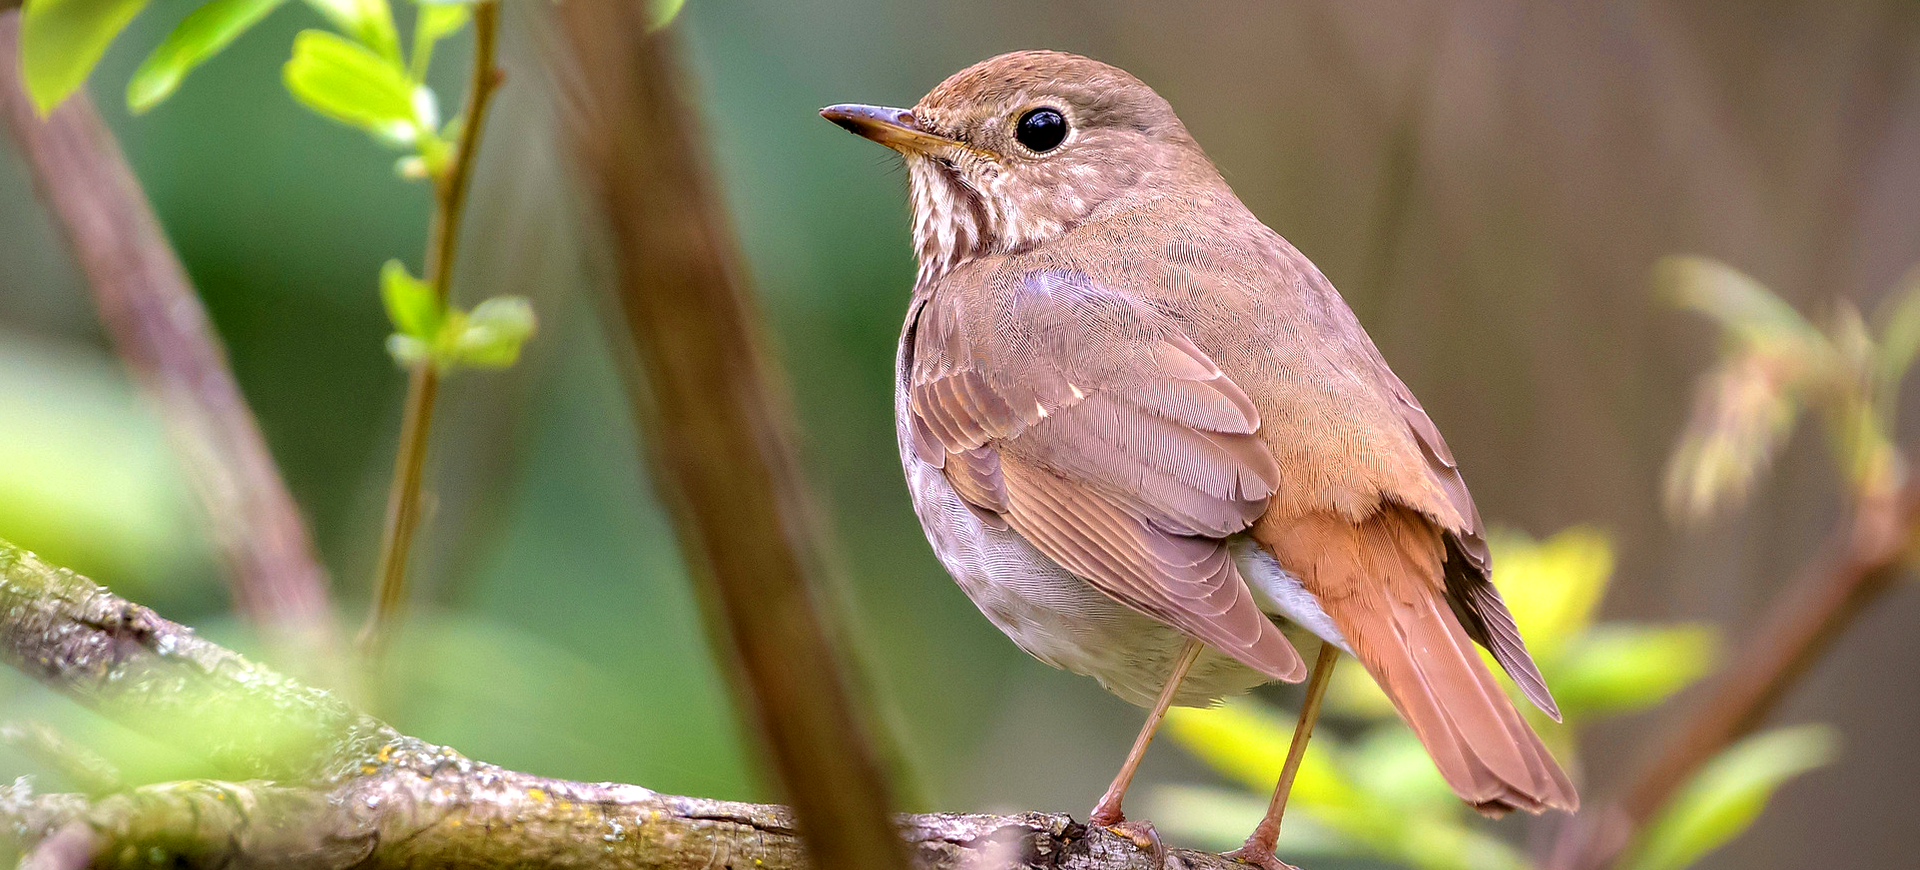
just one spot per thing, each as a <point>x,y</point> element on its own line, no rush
<point>1488,182</point>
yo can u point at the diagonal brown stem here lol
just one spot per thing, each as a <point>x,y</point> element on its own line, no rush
<point>1801,624</point>
<point>166,339</point>
<point>715,420</point>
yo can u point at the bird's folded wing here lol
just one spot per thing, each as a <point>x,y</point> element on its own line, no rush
<point>1088,422</point>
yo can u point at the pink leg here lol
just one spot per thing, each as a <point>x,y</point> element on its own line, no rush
<point>1258,850</point>
<point>1107,813</point>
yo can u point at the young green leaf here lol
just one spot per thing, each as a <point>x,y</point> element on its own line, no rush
<point>411,303</point>
<point>407,350</point>
<point>1390,766</point>
<point>1218,818</point>
<point>61,40</point>
<point>368,21</point>
<point>1741,304</point>
<point>1899,321</point>
<point>440,20</point>
<point>661,13</point>
<point>1728,794</point>
<point>199,36</point>
<point>1615,668</point>
<point>347,82</point>
<point>435,21</point>
<point>1743,411</point>
<point>1552,586</point>
<point>494,332</point>
<point>1247,741</point>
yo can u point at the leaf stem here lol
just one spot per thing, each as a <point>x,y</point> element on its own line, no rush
<point>450,194</point>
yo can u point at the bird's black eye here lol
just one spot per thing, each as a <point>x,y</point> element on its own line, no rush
<point>1041,129</point>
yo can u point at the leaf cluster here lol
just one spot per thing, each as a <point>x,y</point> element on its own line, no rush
<point>356,73</point>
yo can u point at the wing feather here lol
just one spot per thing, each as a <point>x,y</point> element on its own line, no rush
<point>1095,428</point>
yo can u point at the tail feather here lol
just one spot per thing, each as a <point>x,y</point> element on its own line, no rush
<point>1380,582</point>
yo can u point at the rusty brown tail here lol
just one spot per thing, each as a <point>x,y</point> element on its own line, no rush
<point>1381,583</point>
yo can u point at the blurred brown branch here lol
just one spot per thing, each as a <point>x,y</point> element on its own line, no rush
<point>162,332</point>
<point>1860,563</point>
<point>316,784</point>
<point>714,414</point>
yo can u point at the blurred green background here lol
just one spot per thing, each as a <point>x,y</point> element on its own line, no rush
<point>1489,183</point>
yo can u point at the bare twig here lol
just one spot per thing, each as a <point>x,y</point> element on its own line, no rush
<point>317,785</point>
<point>79,765</point>
<point>164,336</point>
<point>1863,560</point>
<point>716,419</point>
<point>423,383</point>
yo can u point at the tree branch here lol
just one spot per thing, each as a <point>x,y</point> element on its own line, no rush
<point>1863,559</point>
<point>319,786</point>
<point>163,334</point>
<point>715,418</point>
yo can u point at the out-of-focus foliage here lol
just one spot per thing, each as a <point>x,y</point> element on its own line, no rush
<point>1367,786</point>
<point>1729,793</point>
<point>201,35</point>
<point>431,331</point>
<point>358,76</point>
<point>61,40</point>
<point>1774,365</point>
<point>89,478</point>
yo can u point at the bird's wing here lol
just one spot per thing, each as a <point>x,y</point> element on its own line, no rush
<point>1087,421</point>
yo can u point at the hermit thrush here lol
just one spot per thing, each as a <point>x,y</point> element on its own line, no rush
<point>1140,427</point>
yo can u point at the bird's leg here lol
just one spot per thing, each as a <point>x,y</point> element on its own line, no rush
<point>1258,849</point>
<point>1107,813</point>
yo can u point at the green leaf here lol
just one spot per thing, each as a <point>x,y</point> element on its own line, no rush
<point>411,303</point>
<point>1743,411</point>
<point>368,21</point>
<point>1617,668</point>
<point>1728,794</point>
<point>1552,586</point>
<point>1899,339</point>
<point>1740,303</point>
<point>1390,766</point>
<point>1247,741</point>
<point>440,20</point>
<point>1216,818</point>
<point>407,350</point>
<point>349,83</point>
<point>661,13</point>
<point>199,36</point>
<point>494,332</point>
<point>61,40</point>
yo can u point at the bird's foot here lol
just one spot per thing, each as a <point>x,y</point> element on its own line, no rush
<point>1261,857</point>
<point>1139,834</point>
<point>1143,835</point>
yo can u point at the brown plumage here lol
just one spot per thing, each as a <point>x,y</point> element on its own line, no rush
<point>1131,414</point>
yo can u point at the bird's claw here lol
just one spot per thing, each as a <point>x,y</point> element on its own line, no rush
<point>1143,835</point>
<point>1258,857</point>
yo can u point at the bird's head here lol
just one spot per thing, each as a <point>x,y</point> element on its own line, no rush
<point>1020,148</point>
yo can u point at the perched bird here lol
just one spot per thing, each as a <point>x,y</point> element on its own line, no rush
<point>1139,428</point>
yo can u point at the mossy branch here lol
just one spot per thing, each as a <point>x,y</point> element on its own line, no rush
<point>314,783</point>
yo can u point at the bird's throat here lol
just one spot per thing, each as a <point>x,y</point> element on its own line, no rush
<point>950,223</point>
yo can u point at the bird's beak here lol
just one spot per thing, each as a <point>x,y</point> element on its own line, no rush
<point>894,128</point>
